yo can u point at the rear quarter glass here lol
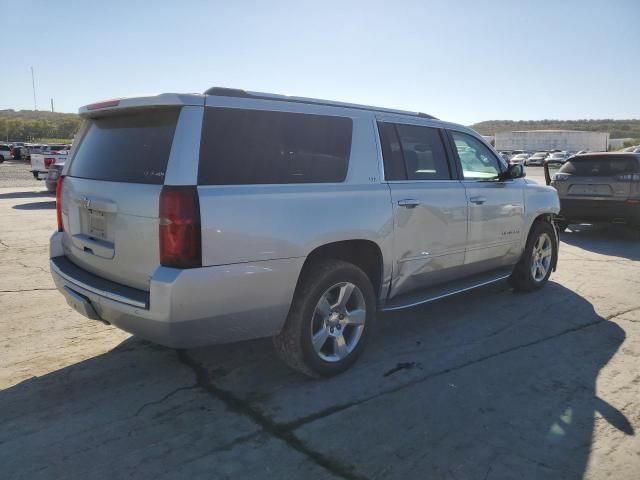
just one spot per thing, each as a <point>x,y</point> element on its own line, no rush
<point>129,147</point>
<point>249,147</point>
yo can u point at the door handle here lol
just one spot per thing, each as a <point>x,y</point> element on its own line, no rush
<point>478,200</point>
<point>408,203</point>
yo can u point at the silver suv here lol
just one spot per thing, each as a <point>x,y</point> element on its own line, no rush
<point>192,220</point>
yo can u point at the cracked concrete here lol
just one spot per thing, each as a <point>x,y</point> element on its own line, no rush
<point>532,386</point>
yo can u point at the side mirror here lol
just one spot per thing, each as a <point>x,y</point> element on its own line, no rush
<point>515,170</point>
<point>550,168</point>
<point>547,175</point>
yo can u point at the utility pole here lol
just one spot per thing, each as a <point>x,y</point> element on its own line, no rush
<point>52,105</point>
<point>33,84</point>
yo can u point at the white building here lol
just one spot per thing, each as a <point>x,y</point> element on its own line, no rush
<point>569,140</point>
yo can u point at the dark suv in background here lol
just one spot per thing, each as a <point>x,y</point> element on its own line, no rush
<point>598,187</point>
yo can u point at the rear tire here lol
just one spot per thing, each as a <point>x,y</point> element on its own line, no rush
<point>534,268</point>
<point>330,321</point>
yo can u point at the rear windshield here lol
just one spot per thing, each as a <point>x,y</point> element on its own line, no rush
<point>243,147</point>
<point>600,166</point>
<point>132,147</point>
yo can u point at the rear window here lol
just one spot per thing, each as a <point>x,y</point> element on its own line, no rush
<point>600,166</point>
<point>243,147</point>
<point>132,147</point>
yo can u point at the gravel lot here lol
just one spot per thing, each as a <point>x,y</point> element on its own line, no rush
<point>488,385</point>
<point>15,173</point>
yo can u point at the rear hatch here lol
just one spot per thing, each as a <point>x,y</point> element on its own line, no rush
<point>597,177</point>
<point>111,194</point>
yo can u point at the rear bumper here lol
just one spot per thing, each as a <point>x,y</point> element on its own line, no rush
<point>599,210</point>
<point>185,308</point>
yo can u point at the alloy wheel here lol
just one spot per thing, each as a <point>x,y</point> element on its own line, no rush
<point>338,321</point>
<point>541,257</point>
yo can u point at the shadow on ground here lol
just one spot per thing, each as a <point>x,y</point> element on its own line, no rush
<point>36,206</point>
<point>32,194</point>
<point>491,381</point>
<point>605,239</point>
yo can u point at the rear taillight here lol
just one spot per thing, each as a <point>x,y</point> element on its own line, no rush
<point>561,177</point>
<point>629,177</point>
<point>48,162</point>
<point>59,203</point>
<point>180,234</point>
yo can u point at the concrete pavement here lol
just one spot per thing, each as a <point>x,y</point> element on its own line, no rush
<point>490,384</point>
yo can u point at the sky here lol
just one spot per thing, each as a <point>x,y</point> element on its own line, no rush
<point>462,61</point>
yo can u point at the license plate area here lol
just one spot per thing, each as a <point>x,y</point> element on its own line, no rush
<point>590,189</point>
<point>97,225</point>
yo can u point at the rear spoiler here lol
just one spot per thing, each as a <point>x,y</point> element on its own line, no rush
<point>163,100</point>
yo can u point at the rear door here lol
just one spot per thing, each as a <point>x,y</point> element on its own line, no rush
<point>429,205</point>
<point>111,193</point>
<point>496,208</point>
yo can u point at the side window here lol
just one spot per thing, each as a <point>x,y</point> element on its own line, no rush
<point>423,153</point>
<point>394,168</point>
<point>412,152</point>
<point>245,147</point>
<point>478,162</point>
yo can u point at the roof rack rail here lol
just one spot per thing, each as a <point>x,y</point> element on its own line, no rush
<point>239,93</point>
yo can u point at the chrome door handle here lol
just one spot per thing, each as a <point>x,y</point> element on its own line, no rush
<point>408,203</point>
<point>478,200</point>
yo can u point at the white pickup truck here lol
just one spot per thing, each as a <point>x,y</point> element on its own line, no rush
<point>49,156</point>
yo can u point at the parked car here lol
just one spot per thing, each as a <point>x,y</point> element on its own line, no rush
<point>558,157</point>
<point>5,153</point>
<point>598,187</point>
<point>54,172</point>
<point>520,158</point>
<point>537,158</point>
<point>505,154</point>
<point>49,156</point>
<point>201,219</point>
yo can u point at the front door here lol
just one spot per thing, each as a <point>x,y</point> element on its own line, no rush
<point>430,207</point>
<point>496,208</point>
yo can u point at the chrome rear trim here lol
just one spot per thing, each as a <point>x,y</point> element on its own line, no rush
<point>97,291</point>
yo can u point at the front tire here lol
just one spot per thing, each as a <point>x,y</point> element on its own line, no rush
<point>534,268</point>
<point>330,321</point>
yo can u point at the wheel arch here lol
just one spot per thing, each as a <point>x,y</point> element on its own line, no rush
<point>365,254</point>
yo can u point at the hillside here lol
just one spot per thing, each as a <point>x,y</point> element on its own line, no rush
<point>25,125</point>
<point>616,128</point>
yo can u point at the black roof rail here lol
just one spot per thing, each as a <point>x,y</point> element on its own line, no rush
<point>239,93</point>
<point>228,92</point>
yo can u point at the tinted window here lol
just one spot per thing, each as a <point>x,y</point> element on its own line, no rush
<point>394,168</point>
<point>605,166</point>
<point>131,147</point>
<point>413,152</point>
<point>423,153</point>
<point>478,162</point>
<point>258,147</point>
<point>4,148</point>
